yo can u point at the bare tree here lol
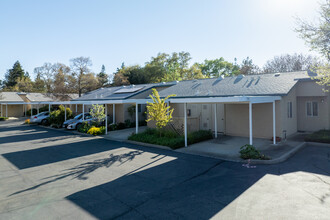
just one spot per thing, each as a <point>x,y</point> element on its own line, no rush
<point>80,67</point>
<point>290,63</point>
<point>46,74</point>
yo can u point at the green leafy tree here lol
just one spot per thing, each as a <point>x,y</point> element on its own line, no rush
<point>97,112</point>
<point>317,37</point>
<point>248,67</point>
<point>57,117</point>
<point>14,74</point>
<point>39,84</point>
<point>218,67</point>
<point>158,110</point>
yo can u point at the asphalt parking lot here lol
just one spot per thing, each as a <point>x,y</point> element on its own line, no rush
<point>49,174</point>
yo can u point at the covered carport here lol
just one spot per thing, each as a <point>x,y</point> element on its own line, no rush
<point>248,100</point>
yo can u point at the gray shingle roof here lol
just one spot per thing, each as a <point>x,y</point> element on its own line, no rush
<point>250,85</point>
<point>10,97</point>
<point>114,93</point>
<point>38,97</point>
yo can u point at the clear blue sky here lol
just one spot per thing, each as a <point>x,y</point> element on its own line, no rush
<point>112,32</point>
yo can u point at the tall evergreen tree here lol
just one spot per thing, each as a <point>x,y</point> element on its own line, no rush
<point>102,77</point>
<point>13,75</point>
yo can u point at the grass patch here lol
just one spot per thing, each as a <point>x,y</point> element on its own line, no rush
<point>169,138</point>
<point>322,136</point>
<point>3,118</point>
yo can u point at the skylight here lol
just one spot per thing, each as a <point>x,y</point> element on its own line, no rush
<point>128,90</point>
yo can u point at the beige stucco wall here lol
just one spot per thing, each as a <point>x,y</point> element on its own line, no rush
<point>308,123</point>
<point>13,111</point>
<point>237,120</point>
<point>311,91</point>
<point>289,124</point>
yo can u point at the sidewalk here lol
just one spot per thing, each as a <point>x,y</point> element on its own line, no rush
<point>228,147</point>
<point>122,135</point>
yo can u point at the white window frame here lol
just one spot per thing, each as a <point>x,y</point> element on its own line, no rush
<point>312,108</point>
<point>289,110</point>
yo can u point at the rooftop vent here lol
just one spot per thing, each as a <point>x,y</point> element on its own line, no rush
<point>164,82</point>
<point>277,74</point>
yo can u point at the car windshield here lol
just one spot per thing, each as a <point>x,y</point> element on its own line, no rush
<point>78,116</point>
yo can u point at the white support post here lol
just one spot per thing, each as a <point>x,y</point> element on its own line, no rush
<point>113,113</point>
<point>136,118</point>
<point>38,108</point>
<point>83,111</point>
<point>76,108</point>
<point>106,119</point>
<point>185,125</point>
<point>215,121</point>
<point>64,112</point>
<point>1,110</point>
<point>274,123</point>
<point>250,123</point>
<point>6,110</point>
<point>49,108</point>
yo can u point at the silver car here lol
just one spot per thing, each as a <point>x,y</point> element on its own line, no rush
<point>74,120</point>
<point>41,118</point>
<point>76,124</point>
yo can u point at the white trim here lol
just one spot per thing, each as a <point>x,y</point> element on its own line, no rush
<point>250,124</point>
<point>215,121</point>
<point>185,125</point>
<point>246,99</point>
<point>274,123</point>
<point>136,118</point>
<point>312,109</point>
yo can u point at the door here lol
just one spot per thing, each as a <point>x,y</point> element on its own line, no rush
<point>206,117</point>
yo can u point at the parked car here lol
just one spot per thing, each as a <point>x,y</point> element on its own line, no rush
<point>75,119</point>
<point>89,119</point>
<point>41,118</point>
<point>76,124</point>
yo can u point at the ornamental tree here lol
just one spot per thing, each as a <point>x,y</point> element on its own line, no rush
<point>158,110</point>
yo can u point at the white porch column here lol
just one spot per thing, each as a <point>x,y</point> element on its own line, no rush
<point>215,121</point>
<point>185,125</point>
<point>76,108</point>
<point>274,123</point>
<point>1,110</point>
<point>64,112</point>
<point>250,122</point>
<point>113,113</point>
<point>49,108</point>
<point>136,118</point>
<point>6,110</point>
<point>106,118</point>
<point>83,112</point>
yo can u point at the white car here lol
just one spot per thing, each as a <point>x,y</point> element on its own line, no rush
<point>76,124</point>
<point>41,118</point>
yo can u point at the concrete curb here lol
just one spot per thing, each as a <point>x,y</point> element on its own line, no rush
<point>280,159</point>
<point>148,145</point>
<point>319,144</point>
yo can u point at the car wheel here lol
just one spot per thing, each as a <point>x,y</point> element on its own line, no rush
<point>44,122</point>
<point>78,126</point>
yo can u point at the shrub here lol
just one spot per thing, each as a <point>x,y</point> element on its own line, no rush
<point>96,131</point>
<point>322,136</point>
<point>250,152</point>
<point>27,121</point>
<point>121,126</point>
<point>84,127</point>
<point>169,138</point>
<point>57,117</point>
<point>112,127</point>
<point>28,112</point>
<point>3,118</point>
<point>128,123</point>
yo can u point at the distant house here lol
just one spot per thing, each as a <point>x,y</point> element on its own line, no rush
<point>15,104</point>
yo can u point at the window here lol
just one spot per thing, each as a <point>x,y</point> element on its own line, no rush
<point>312,109</point>
<point>289,109</point>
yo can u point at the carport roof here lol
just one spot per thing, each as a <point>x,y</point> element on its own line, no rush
<point>251,85</point>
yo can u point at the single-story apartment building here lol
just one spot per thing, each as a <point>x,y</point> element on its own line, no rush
<point>261,106</point>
